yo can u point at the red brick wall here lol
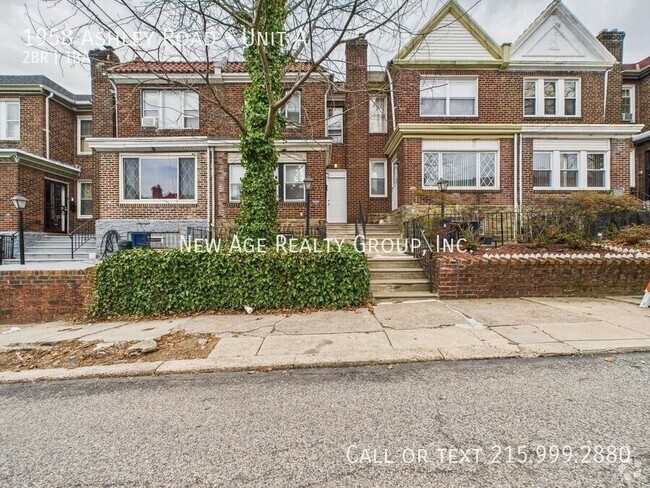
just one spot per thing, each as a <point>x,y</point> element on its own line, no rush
<point>32,124</point>
<point>476,277</point>
<point>43,296</point>
<point>8,189</point>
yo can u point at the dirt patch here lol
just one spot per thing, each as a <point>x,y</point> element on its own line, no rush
<point>73,354</point>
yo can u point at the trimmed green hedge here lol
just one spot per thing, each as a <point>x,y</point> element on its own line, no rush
<point>142,282</point>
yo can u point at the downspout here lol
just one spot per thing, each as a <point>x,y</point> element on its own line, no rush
<point>214,186</point>
<point>515,164</point>
<point>392,96</point>
<point>207,200</point>
<point>605,93</point>
<point>115,117</point>
<point>47,124</point>
<point>521,172</point>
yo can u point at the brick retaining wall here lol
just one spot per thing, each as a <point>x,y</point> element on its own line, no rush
<point>42,296</point>
<point>478,277</point>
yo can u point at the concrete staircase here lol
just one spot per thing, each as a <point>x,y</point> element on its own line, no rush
<point>54,248</point>
<point>394,275</point>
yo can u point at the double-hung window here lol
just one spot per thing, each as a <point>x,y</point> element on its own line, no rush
<point>290,177</point>
<point>570,170</point>
<point>84,131</point>
<point>170,109</point>
<point>552,97</point>
<point>335,124</point>
<point>292,109</point>
<point>158,178</point>
<point>85,196</point>
<point>462,170</point>
<point>455,97</point>
<point>628,103</point>
<point>378,178</point>
<point>10,120</point>
<point>378,114</point>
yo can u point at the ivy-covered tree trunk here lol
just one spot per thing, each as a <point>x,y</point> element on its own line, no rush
<point>258,212</point>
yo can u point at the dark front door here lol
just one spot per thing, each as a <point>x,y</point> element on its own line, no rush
<point>56,206</point>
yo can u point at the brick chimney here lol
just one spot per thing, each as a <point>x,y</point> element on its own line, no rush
<point>613,41</point>
<point>102,91</point>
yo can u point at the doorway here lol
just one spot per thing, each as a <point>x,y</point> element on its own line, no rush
<point>56,207</point>
<point>337,197</point>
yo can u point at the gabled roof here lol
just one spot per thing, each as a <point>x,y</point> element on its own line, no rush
<point>7,81</point>
<point>451,35</point>
<point>559,38</point>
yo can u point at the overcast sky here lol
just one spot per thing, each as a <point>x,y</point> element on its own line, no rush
<point>504,20</point>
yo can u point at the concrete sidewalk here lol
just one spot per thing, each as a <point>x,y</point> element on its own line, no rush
<point>388,333</point>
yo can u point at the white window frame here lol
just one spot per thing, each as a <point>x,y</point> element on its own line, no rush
<point>477,154</point>
<point>632,91</point>
<point>4,122</point>
<point>285,109</point>
<point>559,98</point>
<point>158,201</point>
<point>383,128</point>
<point>230,167</point>
<point>81,118</point>
<point>161,109</point>
<point>81,216</point>
<point>331,116</point>
<point>284,183</point>
<point>447,80</point>
<point>582,171</point>
<point>383,162</point>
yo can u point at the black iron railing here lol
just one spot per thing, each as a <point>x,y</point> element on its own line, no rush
<point>360,229</point>
<point>420,247</point>
<point>7,242</point>
<point>82,234</point>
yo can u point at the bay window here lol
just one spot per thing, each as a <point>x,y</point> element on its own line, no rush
<point>551,97</point>
<point>570,170</point>
<point>10,119</point>
<point>448,97</point>
<point>158,178</point>
<point>170,109</point>
<point>378,178</point>
<point>463,170</point>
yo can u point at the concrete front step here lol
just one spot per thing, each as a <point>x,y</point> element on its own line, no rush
<point>405,262</point>
<point>394,274</point>
<point>401,296</point>
<point>399,285</point>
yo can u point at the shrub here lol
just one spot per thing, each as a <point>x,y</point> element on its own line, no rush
<point>633,235</point>
<point>142,282</point>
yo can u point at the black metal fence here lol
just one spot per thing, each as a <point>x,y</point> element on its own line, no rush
<point>7,246</point>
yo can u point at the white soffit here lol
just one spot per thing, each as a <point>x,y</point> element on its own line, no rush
<point>571,145</point>
<point>461,145</point>
<point>558,37</point>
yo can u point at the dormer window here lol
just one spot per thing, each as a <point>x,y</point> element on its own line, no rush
<point>170,109</point>
<point>552,97</point>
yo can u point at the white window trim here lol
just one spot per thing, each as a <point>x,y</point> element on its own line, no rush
<point>161,108</point>
<point>447,79</point>
<point>230,166</point>
<point>79,119</point>
<point>477,152</point>
<point>3,119</point>
<point>151,201</point>
<point>284,184</point>
<point>384,162</point>
<point>632,89</point>
<point>328,117</point>
<point>286,110</point>
<point>81,216</point>
<point>384,127</point>
<point>559,98</point>
<point>582,171</point>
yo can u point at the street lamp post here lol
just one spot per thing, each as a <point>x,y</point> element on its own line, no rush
<point>308,181</point>
<point>442,186</point>
<point>20,203</point>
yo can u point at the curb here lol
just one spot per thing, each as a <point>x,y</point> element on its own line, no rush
<point>270,363</point>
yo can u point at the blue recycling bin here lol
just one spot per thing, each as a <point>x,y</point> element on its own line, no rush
<point>140,239</point>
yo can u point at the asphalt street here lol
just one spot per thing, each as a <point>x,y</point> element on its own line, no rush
<point>570,421</point>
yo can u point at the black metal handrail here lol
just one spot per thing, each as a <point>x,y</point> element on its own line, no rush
<point>82,234</point>
<point>360,222</point>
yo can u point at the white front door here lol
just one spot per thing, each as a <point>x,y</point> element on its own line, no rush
<point>393,192</point>
<point>337,197</point>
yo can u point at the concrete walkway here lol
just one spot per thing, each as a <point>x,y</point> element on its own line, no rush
<point>389,333</point>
